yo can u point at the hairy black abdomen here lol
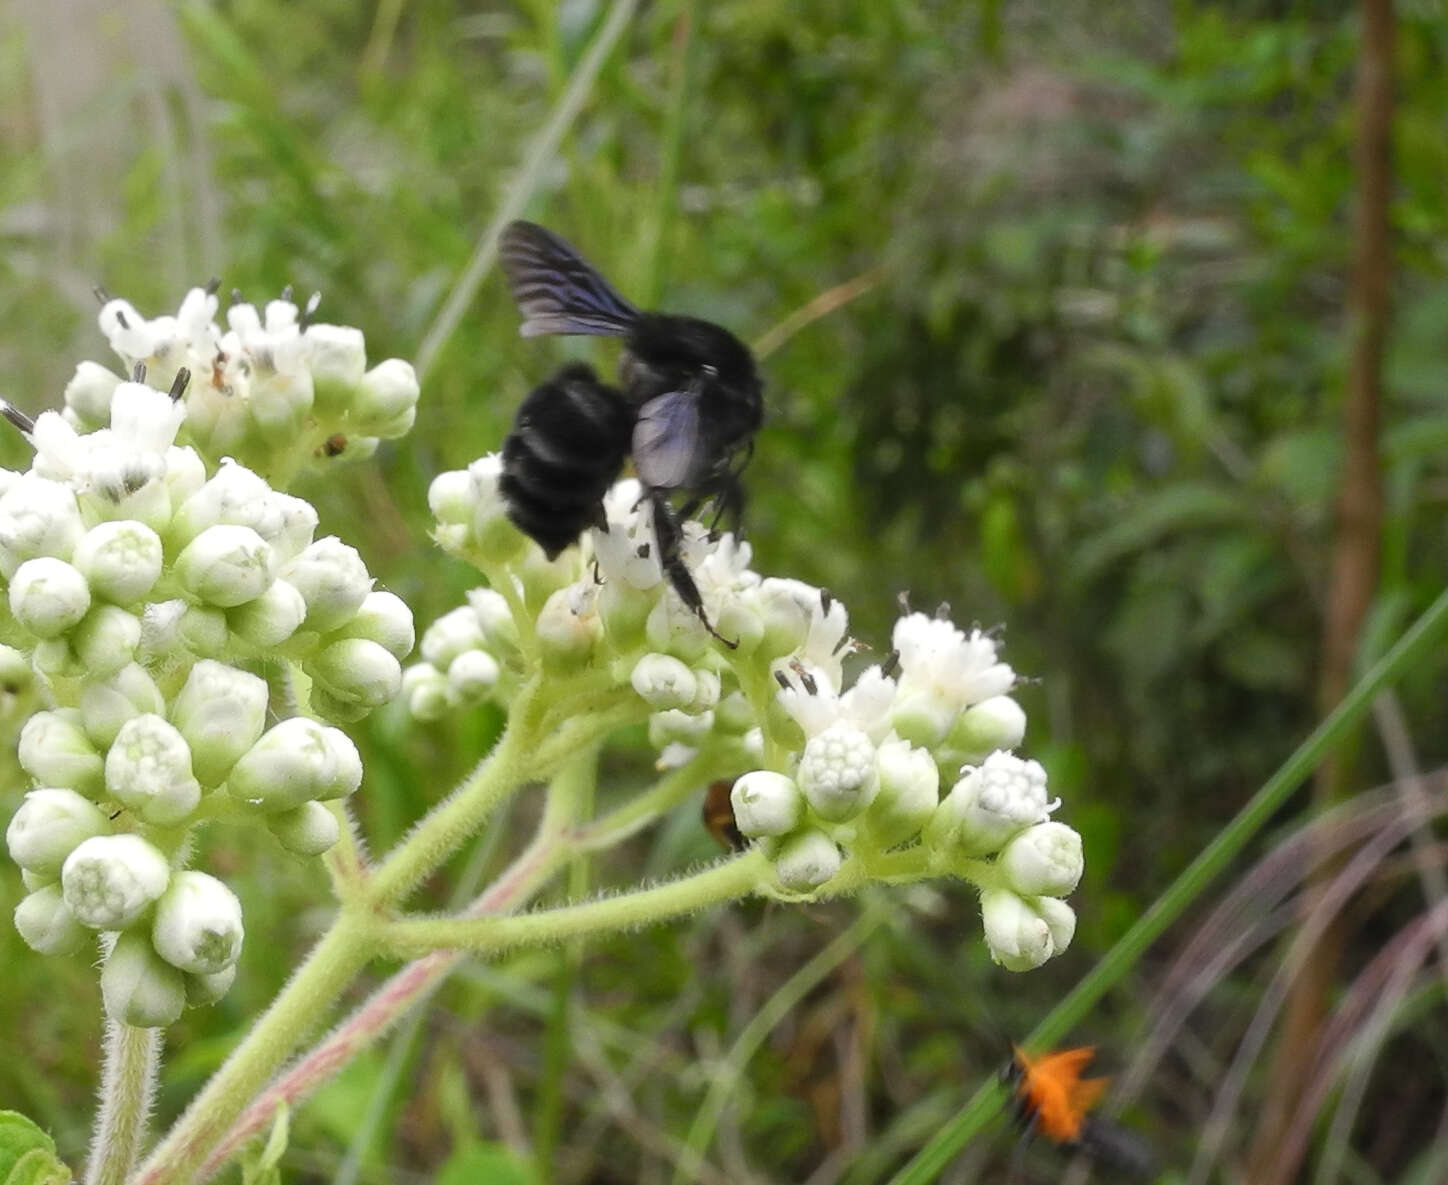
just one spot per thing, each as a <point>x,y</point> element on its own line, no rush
<point>567,446</point>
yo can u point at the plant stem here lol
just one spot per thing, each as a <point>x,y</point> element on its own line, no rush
<point>718,883</point>
<point>128,1084</point>
<point>1414,645</point>
<point>343,951</point>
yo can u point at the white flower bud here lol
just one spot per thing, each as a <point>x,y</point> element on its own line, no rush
<point>566,637</point>
<point>198,924</point>
<point>471,676</point>
<point>909,793</point>
<point>740,620</point>
<point>785,607</point>
<point>145,419</point>
<point>185,475</point>
<point>334,709</point>
<point>120,560</point>
<point>16,674</point>
<point>38,518</point>
<point>333,581</point>
<point>111,880</point>
<point>451,634</point>
<point>35,881</point>
<point>1018,937</point>
<point>106,640</point>
<point>384,618</point>
<point>357,671</point>
<point>426,690</point>
<point>207,989</point>
<point>995,723</point>
<point>296,761</point>
<point>55,751</point>
<point>837,772</point>
<point>270,619</point>
<point>806,860</point>
<point>221,713</point>
<point>89,392</point>
<point>202,629</point>
<point>139,987</point>
<point>990,804</point>
<point>674,727</point>
<point>1060,919</point>
<point>55,660</point>
<point>624,611</point>
<point>149,770</point>
<point>309,830</point>
<point>766,803</point>
<point>225,566</point>
<point>49,824</point>
<point>108,704</point>
<point>1043,861</point>
<point>673,628</point>
<point>450,497</point>
<point>337,358</point>
<point>498,541</point>
<point>706,699</point>
<point>495,619</point>
<point>664,682</point>
<point>735,713</point>
<point>48,596</point>
<point>47,925</point>
<point>230,497</point>
<point>387,392</point>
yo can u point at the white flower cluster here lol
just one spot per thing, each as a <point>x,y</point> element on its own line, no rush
<point>144,597</point>
<point>850,770</point>
<point>269,382</point>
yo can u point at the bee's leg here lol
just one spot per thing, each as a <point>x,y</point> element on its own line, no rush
<point>666,531</point>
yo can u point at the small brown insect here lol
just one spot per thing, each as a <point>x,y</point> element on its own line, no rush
<point>719,816</point>
<point>335,445</point>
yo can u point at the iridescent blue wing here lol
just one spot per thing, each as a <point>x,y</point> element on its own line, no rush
<point>666,440</point>
<point>556,289</point>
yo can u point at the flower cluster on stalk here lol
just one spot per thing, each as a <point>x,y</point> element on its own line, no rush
<point>914,754</point>
<point>153,588</point>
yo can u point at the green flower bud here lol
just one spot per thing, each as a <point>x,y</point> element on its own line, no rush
<point>56,659</point>
<point>296,761</point>
<point>1018,936</point>
<point>47,925</point>
<point>333,581</point>
<point>271,618</point>
<point>1043,861</point>
<point>225,566</point>
<point>139,987</point>
<point>806,860</point>
<point>148,769</point>
<point>55,751</point>
<point>202,629</point>
<point>624,611</point>
<point>766,803</point>
<point>673,628</point>
<point>107,705</point>
<point>48,825</point>
<point>121,560</point>
<point>674,727</point>
<point>202,990</point>
<point>923,718</point>
<point>106,641</point>
<point>785,608</point>
<point>909,793</point>
<point>995,723</point>
<point>15,671</point>
<point>111,880</point>
<point>221,713</point>
<point>566,636</point>
<point>48,596</point>
<point>357,671</point>
<point>384,618</point>
<point>197,927</point>
<point>309,830</point>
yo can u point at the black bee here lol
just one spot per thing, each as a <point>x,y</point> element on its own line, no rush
<point>689,403</point>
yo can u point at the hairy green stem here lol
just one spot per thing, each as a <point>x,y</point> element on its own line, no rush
<point>128,1084</point>
<point>343,951</point>
<point>721,882</point>
<point>1415,644</point>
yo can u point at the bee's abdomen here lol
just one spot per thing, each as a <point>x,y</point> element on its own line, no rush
<point>567,446</point>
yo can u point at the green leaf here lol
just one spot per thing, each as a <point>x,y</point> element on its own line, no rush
<point>1175,508</point>
<point>494,1163</point>
<point>27,1154</point>
<point>263,1166</point>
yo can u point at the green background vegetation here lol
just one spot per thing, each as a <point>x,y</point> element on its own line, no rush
<point>1091,389</point>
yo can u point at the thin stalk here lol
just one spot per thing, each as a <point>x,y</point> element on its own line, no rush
<point>668,182</point>
<point>515,201</point>
<point>334,962</point>
<point>1416,644</point>
<point>128,1086</point>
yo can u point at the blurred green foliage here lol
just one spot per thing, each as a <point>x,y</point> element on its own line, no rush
<point>1091,394</point>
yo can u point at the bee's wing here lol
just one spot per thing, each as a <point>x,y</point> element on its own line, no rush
<point>666,439</point>
<point>556,289</point>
